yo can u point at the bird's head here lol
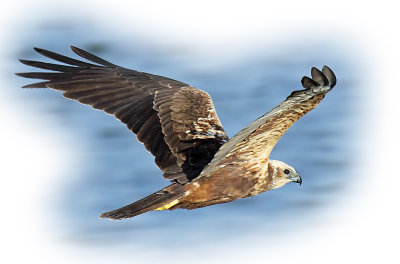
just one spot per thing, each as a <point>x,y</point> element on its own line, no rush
<point>282,174</point>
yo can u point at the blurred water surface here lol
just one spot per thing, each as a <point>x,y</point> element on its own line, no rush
<point>116,170</point>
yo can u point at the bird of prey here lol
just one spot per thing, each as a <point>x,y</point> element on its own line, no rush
<point>178,124</point>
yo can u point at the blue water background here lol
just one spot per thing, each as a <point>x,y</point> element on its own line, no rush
<point>117,170</point>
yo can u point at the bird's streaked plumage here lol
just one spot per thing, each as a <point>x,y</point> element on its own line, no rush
<point>178,124</point>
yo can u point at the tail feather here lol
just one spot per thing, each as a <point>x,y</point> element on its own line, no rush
<point>158,200</point>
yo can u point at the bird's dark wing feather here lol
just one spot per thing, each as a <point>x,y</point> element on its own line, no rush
<point>153,107</point>
<point>257,140</point>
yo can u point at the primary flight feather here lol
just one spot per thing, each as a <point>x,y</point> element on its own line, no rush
<point>178,124</point>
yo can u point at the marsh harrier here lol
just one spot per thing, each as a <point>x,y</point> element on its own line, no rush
<point>178,124</point>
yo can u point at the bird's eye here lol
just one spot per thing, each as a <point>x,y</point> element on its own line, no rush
<point>286,171</point>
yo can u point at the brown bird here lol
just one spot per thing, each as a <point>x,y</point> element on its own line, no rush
<point>178,124</point>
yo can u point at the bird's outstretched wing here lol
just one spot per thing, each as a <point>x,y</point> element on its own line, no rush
<point>259,138</point>
<point>176,122</point>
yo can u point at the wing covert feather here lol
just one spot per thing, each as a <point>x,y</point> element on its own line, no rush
<point>197,134</point>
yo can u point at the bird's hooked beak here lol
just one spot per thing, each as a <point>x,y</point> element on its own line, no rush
<point>298,179</point>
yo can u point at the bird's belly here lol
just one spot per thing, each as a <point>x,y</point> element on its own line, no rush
<point>208,191</point>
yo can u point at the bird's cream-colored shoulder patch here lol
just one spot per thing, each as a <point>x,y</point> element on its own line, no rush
<point>167,206</point>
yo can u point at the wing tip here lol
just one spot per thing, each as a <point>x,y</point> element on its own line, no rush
<point>330,75</point>
<point>109,215</point>
<point>38,50</point>
<point>23,61</point>
<point>91,57</point>
<point>308,83</point>
<point>319,77</point>
<point>326,77</point>
<point>75,49</point>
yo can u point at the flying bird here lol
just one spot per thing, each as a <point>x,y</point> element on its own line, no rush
<point>178,124</point>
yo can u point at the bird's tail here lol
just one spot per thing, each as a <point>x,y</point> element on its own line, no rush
<point>160,200</point>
